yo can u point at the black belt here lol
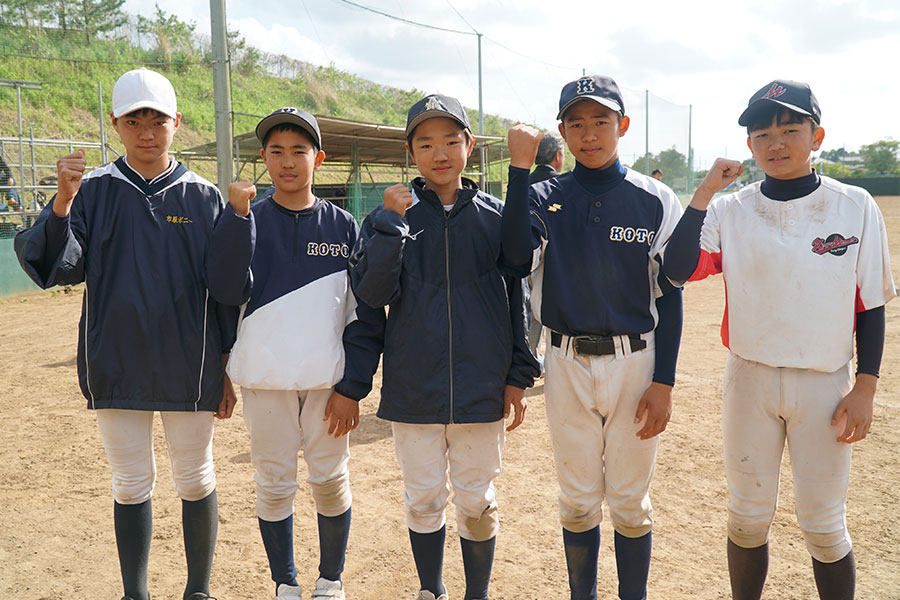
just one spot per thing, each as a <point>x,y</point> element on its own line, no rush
<point>597,345</point>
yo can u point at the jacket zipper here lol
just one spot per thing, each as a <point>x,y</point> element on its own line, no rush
<point>449,311</point>
<point>296,222</point>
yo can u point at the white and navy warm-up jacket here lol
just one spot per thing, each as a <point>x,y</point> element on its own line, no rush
<point>288,270</point>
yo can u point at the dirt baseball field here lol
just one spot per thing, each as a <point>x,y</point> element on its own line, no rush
<point>56,505</point>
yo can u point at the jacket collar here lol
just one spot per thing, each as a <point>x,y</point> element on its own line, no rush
<point>154,186</point>
<point>464,195</point>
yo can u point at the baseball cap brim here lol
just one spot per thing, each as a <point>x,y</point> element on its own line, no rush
<point>266,125</point>
<point>748,113</point>
<point>429,114</point>
<point>130,108</point>
<point>607,102</point>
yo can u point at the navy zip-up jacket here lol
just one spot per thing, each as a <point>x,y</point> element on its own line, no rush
<point>150,337</point>
<point>455,333</point>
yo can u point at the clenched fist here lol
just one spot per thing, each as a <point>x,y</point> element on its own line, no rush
<point>69,171</point>
<point>398,198</point>
<point>239,195</point>
<point>722,173</point>
<point>523,144</point>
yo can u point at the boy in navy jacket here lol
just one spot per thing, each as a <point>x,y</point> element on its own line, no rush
<point>456,361</point>
<point>151,337</point>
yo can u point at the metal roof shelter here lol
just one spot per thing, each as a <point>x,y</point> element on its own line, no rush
<point>351,146</point>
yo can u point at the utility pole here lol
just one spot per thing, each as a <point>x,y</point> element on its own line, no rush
<point>222,95</point>
<point>483,166</point>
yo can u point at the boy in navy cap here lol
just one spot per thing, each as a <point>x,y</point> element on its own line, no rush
<point>456,361</point>
<point>788,375</point>
<point>593,241</point>
<point>285,260</point>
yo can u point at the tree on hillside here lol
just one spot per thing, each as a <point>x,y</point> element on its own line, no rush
<point>27,13</point>
<point>881,157</point>
<point>173,36</point>
<point>98,16</point>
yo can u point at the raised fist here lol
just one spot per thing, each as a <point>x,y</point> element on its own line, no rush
<point>239,195</point>
<point>721,174</point>
<point>398,198</point>
<point>523,142</point>
<point>69,171</point>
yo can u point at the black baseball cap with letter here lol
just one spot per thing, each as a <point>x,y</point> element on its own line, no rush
<point>435,105</point>
<point>294,116</point>
<point>794,95</point>
<point>599,88</point>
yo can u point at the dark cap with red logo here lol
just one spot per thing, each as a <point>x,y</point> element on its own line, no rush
<point>794,95</point>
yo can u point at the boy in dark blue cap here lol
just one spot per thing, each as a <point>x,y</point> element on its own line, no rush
<point>593,241</point>
<point>285,260</point>
<point>788,375</point>
<point>456,361</point>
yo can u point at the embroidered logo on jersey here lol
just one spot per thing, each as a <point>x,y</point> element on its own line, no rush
<point>323,249</point>
<point>585,85</point>
<point>835,244</point>
<point>631,234</point>
<point>554,207</point>
<point>413,236</point>
<point>774,91</point>
<point>177,219</point>
<point>434,103</point>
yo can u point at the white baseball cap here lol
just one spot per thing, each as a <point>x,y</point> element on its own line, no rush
<point>143,88</point>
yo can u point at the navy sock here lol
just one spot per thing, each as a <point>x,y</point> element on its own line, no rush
<point>278,539</point>
<point>582,550</point>
<point>633,565</point>
<point>333,534</point>
<point>837,580</point>
<point>200,524</point>
<point>428,552</point>
<point>747,568</point>
<point>134,530</point>
<point>478,558</point>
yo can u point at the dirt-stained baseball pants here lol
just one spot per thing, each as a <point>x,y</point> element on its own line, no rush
<point>128,440</point>
<point>281,423</point>
<point>591,402</point>
<point>471,453</point>
<point>764,406</point>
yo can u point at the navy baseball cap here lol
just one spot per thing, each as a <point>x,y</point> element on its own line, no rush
<point>435,105</point>
<point>794,95</point>
<point>599,88</point>
<point>295,116</point>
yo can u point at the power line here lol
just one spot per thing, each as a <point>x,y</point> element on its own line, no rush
<point>402,20</point>
<point>472,27</point>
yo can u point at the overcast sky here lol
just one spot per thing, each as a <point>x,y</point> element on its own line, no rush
<point>710,55</point>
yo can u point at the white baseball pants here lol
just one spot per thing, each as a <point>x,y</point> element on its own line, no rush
<point>281,423</point>
<point>591,402</point>
<point>471,453</point>
<point>763,407</point>
<point>128,440</point>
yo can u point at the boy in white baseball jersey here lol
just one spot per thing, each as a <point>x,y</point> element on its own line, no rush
<point>455,356</point>
<point>593,239</point>
<point>805,262</point>
<point>285,260</point>
<point>151,338</point>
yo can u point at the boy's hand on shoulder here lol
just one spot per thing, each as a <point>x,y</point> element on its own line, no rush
<point>69,171</point>
<point>853,415</point>
<point>398,198</point>
<point>722,173</point>
<point>343,412</point>
<point>514,397</point>
<point>239,195</point>
<point>523,141</point>
<point>654,409</point>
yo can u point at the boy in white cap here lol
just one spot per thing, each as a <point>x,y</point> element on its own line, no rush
<point>151,337</point>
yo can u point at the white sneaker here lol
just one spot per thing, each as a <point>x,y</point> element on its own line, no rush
<point>426,595</point>
<point>325,588</point>
<point>286,592</point>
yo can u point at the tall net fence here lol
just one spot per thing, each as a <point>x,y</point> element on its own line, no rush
<point>658,138</point>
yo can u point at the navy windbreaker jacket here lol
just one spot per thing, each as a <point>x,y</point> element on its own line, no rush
<point>455,333</point>
<point>150,337</point>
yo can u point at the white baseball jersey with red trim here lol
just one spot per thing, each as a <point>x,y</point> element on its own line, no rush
<point>796,272</point>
